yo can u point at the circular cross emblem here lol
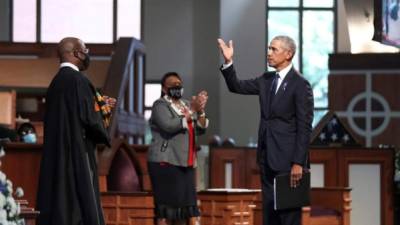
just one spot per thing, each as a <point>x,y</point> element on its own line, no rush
<point>374,111</point>
<point>368,114</point>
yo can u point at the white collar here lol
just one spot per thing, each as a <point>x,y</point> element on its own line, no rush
<point>285,71</point>
<point>68,64</point>
<point>176,109</point>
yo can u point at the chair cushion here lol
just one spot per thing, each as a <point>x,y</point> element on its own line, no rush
<point>323,211</point>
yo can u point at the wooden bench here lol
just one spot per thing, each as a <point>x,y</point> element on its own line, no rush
<point>329,206</point>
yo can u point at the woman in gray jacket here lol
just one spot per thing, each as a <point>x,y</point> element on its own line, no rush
<point>175,123</point>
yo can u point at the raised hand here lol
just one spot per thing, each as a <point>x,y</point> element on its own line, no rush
<point>202,98</point>
<point>226,50</point>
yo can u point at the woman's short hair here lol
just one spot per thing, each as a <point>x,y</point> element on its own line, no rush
<point>165,77</point>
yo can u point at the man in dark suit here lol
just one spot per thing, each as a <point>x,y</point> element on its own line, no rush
<point>286,103</point>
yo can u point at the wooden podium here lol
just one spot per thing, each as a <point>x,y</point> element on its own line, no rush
<point>227,206</point>
<point>128,208</point>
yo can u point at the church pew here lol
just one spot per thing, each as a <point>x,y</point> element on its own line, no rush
<point>329,206</point>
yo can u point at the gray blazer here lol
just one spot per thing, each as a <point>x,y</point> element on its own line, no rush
<point>170,142</point>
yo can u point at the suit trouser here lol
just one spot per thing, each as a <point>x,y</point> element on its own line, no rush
<point>270,215</point>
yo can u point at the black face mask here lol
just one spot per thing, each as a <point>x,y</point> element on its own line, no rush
<point>175,92</point>
<point>85,61</point>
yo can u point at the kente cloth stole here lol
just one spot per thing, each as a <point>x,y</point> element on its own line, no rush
<point>105,110</point>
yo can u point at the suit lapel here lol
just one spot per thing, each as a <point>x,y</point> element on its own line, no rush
<point>171,109</point>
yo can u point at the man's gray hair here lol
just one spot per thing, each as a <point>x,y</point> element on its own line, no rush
<point>288,43</point>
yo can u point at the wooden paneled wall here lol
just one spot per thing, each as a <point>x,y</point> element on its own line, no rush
<point>21,164</point>
<point>8,108</point>
<point>38,73</point>
<point>364,91</point>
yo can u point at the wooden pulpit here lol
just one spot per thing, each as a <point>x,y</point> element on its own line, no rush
<point>227,206</point>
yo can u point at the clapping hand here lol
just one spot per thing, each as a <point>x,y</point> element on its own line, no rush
<point>199,102</point>
<point>111,102</point>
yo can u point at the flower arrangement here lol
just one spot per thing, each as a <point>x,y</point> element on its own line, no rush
<point>9,208</point>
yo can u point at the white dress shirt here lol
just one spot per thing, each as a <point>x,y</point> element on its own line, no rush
<point>68,64</point>
<point>282,75</point>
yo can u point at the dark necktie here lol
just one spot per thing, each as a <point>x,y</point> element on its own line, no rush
<point>274,84</point>
<point>273,90</point>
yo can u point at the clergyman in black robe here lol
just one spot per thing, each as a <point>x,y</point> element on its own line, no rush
<point>68,192</point>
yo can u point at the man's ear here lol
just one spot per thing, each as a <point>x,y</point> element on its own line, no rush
<point>76,54</point>
<point>164,89</point>
<point>289,55</point>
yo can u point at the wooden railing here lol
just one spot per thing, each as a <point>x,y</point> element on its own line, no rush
<point>125,82</point>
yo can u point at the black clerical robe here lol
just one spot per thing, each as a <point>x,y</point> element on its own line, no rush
<point>68,192</point>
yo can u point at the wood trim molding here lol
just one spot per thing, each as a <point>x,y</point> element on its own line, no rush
<point>49,49</point>
<point>329,160</point>
<point>347,61</point>
<point>218,159</point>
<point>384,157</point>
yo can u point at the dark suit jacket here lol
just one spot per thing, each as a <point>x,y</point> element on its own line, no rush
<point>286,121</point>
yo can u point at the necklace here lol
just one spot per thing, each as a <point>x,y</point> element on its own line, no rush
<point>181,106</point>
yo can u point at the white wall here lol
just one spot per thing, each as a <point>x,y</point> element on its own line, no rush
<point>206,59</point>
<point>168,37</point>
<point>4,20</point>
<point>365,180</point>
<point>243,22</point>
<point>343,31</point>
<point>360,22</point>
<point>180,35</point>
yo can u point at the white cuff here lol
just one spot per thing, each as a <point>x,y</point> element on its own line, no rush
<point>224,66</point>
<point>200,125</point>
<point>185,123</point>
